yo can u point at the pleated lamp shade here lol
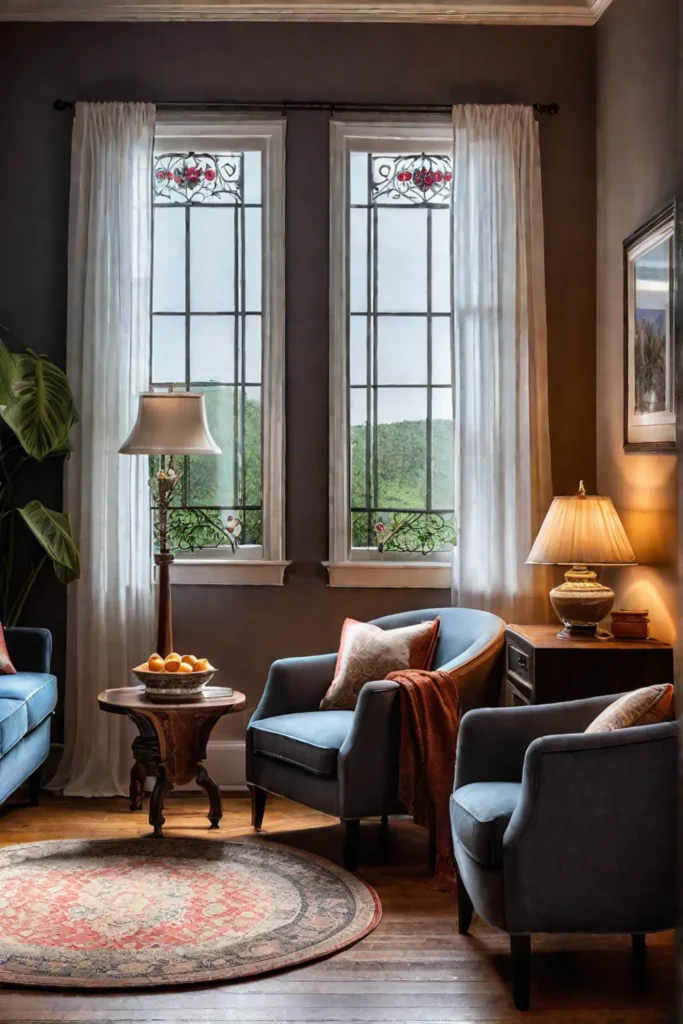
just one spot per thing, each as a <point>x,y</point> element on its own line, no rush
<point>170,423</point>
<point>584,529</point>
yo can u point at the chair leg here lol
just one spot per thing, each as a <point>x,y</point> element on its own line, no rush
<point>258,806</point>
<point>350,842</point>
<point>520,949</point>
<point>639,945</point>
<point>34,787</point>
<point>465,908</point>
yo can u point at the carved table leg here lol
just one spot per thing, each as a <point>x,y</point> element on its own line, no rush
<point>214,794</point>
<point>162,788</point>
<point>138,776</point>
<point>146,753</point>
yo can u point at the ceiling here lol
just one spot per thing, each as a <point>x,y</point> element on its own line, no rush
<point>542,12</point>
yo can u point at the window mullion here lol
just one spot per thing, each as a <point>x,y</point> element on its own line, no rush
<point>428,487</point>
<point>188,308</point>
<point>236,360</point>
<point>242,277</point>
<point>368,357</point>
<point>375,376</point>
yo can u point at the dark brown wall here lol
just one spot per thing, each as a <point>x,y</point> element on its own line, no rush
<point>244,629</point>
<point>637,162</point>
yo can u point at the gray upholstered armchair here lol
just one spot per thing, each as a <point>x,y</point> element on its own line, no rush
<point>345,763</point>
<point>557,830</point>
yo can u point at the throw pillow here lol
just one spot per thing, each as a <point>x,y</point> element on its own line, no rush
<point>6,666</point>
<point>367,652</point>
<point>648,706</point>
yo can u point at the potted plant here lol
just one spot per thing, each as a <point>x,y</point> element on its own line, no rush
<point>37,406</point>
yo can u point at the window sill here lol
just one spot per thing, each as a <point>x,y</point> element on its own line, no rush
<point>402,575</point>
<point>198,572</point>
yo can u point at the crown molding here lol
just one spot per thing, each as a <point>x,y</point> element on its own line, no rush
<point>578,12</point>
<point>599,7</point>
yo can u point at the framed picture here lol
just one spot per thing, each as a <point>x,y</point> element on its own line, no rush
<point>649,374</point>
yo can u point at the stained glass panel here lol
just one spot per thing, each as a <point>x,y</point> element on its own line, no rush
<point>182,178</point>
<point>412,179</point>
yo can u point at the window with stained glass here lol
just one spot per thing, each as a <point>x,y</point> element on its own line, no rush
<point>208,319</point>
<point>398,321</point>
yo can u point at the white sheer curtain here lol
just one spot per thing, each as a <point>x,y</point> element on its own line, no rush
<point>111,608</point>
<point>503,481</point>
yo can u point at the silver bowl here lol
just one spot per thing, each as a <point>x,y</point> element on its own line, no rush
<point>172,687</point>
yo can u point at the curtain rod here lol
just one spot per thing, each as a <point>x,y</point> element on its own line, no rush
<point>393,108</point>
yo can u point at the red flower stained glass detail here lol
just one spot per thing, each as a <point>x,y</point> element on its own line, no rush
<point>197,177</point>
<point>424,178</point>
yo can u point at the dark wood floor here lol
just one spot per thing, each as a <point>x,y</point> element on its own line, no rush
<point>414,969</point>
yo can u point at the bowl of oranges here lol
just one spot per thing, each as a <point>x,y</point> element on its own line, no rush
<point>174,678</point>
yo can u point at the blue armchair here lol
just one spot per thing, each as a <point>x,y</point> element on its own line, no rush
<point>27,701</point>
<point>345,763</point>
<point>558,830</point>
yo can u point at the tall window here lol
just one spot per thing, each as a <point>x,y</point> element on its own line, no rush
<point>217,326</point>
<point>392,386</point>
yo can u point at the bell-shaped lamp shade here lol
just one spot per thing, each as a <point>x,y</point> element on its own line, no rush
<point>170,423</point>
<point>584,529</point>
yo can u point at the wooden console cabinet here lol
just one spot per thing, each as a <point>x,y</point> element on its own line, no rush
<point>542,669</point>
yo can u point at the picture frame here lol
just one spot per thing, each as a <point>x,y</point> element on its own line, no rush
<point>649,335</point>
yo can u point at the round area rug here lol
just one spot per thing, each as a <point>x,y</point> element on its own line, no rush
<point>141,912</point>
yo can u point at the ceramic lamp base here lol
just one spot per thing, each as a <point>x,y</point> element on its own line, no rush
<point>581,603</point>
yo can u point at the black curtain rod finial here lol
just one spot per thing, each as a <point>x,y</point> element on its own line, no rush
<point>547,108</point>
<point>62,105</point>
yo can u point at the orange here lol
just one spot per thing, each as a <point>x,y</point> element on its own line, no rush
<point>172,663</point>
<point>184,667</point>
<point>189,659</point>
<point>155,664</point>
<point>202,665</point>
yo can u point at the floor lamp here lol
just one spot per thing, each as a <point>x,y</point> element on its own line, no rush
<point>169,423</point>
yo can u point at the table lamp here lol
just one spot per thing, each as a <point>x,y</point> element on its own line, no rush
<point>168,423</point>
<point>581,531</point>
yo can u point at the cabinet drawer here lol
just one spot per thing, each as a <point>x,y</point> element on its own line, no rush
<point>519,663</point>
<point>515,697</point>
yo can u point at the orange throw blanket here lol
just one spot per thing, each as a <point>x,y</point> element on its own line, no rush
<point>430,716</point>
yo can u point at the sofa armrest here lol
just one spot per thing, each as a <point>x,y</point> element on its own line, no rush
<point>296,684</point>
<point>591,845</point>
<point>29,648</point>
<point>368,759</point>
<point>492,742</point>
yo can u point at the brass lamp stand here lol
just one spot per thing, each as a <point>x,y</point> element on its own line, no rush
<point>168,423</point>
<point>166,481</point>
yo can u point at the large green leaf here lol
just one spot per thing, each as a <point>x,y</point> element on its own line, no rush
<point>7,373</point>
<point>52,530</point>
<point>40,409</point>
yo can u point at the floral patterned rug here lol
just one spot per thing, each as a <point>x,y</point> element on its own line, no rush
<point>143,912</point>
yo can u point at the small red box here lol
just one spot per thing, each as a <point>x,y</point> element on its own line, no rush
<point>631,624</point>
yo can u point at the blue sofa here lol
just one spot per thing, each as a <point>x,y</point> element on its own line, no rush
<point>27,701</point>
<point>346,763</point>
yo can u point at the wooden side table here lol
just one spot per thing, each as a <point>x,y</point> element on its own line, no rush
<point>171,744</point>
<point>541,668</point>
